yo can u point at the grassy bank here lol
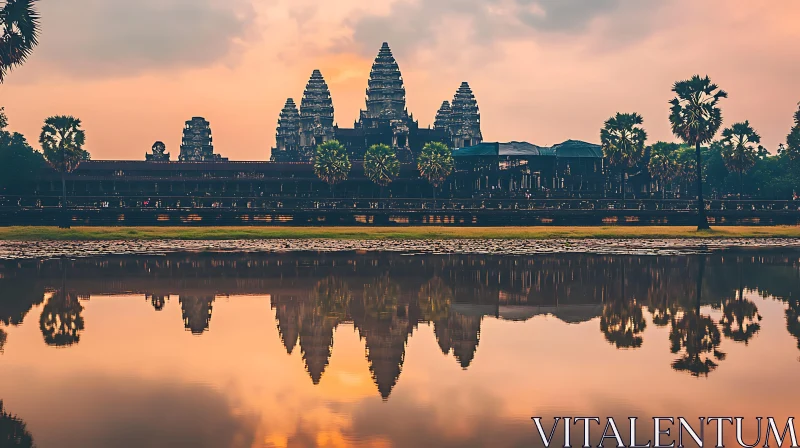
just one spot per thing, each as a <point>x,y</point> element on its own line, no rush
<point>219,233</point>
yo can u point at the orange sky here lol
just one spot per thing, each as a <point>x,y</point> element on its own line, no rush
<point>543,71</point>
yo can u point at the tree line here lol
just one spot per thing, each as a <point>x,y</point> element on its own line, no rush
<point>696,118</point>
<point>332,164</point>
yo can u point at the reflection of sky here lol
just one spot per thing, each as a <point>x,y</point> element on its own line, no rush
<point>137,375</point>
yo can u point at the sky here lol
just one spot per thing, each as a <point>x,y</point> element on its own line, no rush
<point>543,71</point>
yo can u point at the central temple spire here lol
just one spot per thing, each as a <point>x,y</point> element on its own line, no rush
<point>386,95</point>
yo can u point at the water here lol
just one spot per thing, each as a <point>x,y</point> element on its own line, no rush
<point>379,349</point>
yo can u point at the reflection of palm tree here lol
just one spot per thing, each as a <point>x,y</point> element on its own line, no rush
<point>622,323</point>
<point>17,297</point>
<point>662,309</point>
<point>332,296</point>
<point>793,320</point>
<point>3,337</point>
<point>697,336</point>
<point>435,298</point>
<point>742,314</point>
<point>61,322</point>
<point>12,431</point>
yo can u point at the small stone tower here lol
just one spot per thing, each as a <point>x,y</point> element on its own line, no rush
<point>158,153</point>
<point>197,144</point>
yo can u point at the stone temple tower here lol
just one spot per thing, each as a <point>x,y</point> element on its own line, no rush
<point>442,121</point>
<point>287,138</point>
<point>386,95</point>
<point>316,116</point>
<point>197,144</point>
<point>465,118</point>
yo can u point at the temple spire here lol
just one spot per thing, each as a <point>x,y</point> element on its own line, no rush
<point>316,114</point>
<point>442,121</point>
<point>287,137</point>
<point>465,123</point>
<point>386,95</point>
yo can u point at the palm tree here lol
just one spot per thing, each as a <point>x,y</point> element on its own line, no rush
<point>435,164</point>
<point>737,149</point>
<point>19,24</point>
<point>623,323</point>
<point>381,165</point>
<point>62,140</point>
<point>623,138</point>
<point>664,167</point>
<point>695,119</point>
<point>793,139</point>
<point>331,163</point>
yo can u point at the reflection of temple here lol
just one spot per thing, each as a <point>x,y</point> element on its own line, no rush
<point>386,296</point>
<point>158,301</point>
<point>460,334</point>
<point>316,342</point>
<point>196,313</point>
<point>385,120</point>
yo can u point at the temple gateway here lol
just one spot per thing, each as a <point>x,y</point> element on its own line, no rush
<point>385,119</point>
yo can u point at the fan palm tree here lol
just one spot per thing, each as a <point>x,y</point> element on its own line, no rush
<point>695,118</point>
<point>435,164</point>
<point>623,139</point>
<point>381,165</point>
<point>19,25</point>
<point>62,141</point>
<point>737,149</point>
<point>331,163</point>
<point>664,167</point>
<point>793,139</point>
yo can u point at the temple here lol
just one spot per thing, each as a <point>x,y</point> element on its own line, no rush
<point>385,119</point>
<point>197,145</point>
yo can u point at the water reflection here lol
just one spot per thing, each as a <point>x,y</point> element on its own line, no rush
<point>685,307</point>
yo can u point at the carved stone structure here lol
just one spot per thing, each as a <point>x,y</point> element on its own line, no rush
<point>442,122</point>
<point>465,119</point>
<point>316,116</point>
<point>287,140</point>
<point>384,120</point>
<point>158,154</point>
<point>197,144</point>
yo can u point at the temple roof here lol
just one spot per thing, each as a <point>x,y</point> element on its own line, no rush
<point>570,148</point>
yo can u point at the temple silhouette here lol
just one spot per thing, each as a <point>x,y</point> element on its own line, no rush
<point>384,120</point>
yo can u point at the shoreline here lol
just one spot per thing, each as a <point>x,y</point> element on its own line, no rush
<point>390,233</point>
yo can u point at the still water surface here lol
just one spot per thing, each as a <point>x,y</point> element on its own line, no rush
<point>386,350</point>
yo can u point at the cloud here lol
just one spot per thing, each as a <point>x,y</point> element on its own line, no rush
<point>130,412</point>
<point>102,37</point>
<point>409,25</point>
